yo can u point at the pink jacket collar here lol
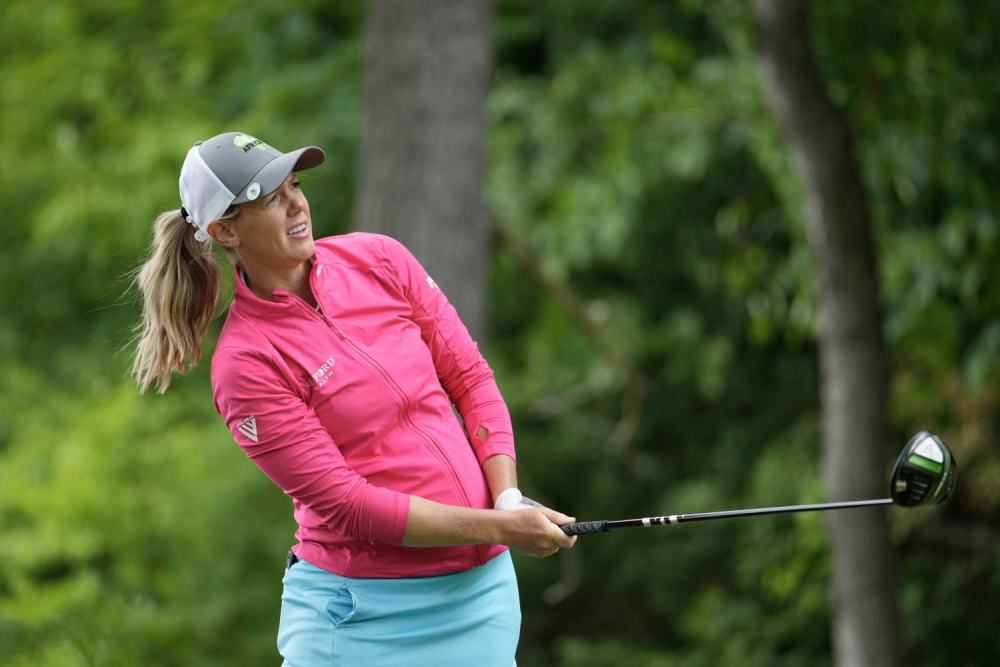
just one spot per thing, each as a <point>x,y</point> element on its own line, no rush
<point>247,303</point>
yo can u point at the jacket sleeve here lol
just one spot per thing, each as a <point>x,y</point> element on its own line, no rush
<point>282,435</point>
<point>463,372</point>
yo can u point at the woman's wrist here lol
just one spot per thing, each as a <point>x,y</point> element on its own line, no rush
<point>501,474</point>
<point>497,527</point>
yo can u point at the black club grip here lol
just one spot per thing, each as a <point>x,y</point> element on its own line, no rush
<point>585,527</point>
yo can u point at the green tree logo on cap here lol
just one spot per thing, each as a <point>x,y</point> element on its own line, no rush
<point>246,142</point>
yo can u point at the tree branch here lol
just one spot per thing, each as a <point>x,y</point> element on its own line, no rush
<point>635,382</point>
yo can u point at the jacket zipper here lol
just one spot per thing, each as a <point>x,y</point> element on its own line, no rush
<point>477,557</point>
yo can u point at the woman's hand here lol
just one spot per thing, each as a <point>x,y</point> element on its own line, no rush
<point>535,531</point>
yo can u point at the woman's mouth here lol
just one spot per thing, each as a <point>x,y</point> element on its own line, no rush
<point>298,230</point>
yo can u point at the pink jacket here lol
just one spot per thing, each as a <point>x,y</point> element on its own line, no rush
<point>345,410</point>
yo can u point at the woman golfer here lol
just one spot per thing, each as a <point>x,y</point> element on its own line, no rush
<point>336,371</point>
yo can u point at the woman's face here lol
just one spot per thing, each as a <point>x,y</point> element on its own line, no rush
<point>273,232</point>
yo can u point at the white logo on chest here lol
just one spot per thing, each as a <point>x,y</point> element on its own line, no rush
<point>323,373</point>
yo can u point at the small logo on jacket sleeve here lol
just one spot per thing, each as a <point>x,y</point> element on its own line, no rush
<point>248,427</point>
<point>430,281</point>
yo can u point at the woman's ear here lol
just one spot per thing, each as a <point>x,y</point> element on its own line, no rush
<point>223,233</point>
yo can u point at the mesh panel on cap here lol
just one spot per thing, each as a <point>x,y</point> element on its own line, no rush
<point>202,193</point>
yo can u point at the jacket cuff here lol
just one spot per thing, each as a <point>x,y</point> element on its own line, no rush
<point>387,514</point>
<point>498,441</point>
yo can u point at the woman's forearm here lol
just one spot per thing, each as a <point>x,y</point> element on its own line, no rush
<point>501,474</point>
<point>532,531</point>
<point>431,524</point>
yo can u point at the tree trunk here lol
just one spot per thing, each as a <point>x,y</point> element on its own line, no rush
<point>423,150</point>
<point>852,356</point>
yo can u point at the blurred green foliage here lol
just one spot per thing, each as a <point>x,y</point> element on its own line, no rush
<point>631,149</point>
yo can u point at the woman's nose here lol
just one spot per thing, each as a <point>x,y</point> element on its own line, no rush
<point>296,199</point>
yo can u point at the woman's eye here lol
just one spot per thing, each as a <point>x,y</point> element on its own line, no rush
<point>276,197</point>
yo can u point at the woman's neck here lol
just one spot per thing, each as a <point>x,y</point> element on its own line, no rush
<point>263,281</point>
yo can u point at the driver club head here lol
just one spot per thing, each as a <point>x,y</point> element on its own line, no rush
<point>925,473</point>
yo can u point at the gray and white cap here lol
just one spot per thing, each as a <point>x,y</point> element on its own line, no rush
<point>234,168</point>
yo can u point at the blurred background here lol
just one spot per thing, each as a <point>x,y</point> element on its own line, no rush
<point>657,218</point>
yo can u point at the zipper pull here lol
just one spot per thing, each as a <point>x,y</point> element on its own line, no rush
<point>333,326</point>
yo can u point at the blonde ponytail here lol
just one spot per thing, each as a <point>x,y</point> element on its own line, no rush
<point>180,285</point>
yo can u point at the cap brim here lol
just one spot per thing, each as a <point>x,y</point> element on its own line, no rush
<point>274,173</point>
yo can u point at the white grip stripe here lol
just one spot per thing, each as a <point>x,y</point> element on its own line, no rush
<point>659,520</point>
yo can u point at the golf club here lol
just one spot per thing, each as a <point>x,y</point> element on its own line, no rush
<point>924,474</point>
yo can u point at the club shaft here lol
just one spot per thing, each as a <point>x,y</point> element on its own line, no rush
<point>605,526</point>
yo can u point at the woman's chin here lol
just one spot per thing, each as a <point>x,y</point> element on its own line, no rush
<point>305,249</point>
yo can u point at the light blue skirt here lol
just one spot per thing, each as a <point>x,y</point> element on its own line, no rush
<point>450,620</point>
